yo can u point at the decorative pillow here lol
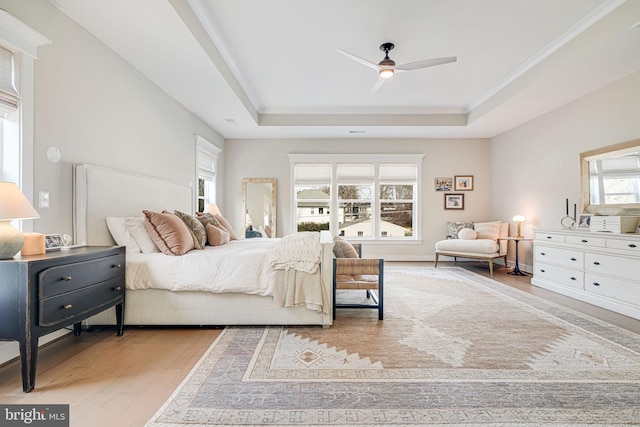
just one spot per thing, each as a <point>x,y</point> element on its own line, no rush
<point>168,232</point>
<point>217,236</point>
<point>467,234</point>
<point>118,228</point>
<point>140,235</point>
<point>488,230</point>
<point>454,227</point>
<point>343,249</point>
<point>207,218</point>
<point>196,228</point>
<point>225,224</point>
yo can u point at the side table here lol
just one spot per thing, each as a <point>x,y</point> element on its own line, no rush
<point>516,269</point>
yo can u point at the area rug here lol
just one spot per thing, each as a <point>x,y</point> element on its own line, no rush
<point>454,348</point>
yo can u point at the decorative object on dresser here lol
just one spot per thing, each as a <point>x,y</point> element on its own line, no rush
<point>480,240</point>
<point>13,205</point>
<point>44,293</point>
<point>568,222</point>
<point>614,224</point>
<point>602,269</point>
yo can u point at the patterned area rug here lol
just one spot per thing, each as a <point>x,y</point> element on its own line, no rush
<point>455,348</point>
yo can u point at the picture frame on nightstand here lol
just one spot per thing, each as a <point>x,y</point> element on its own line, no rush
<point>53,242</point>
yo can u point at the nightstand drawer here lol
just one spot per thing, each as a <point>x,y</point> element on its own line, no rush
<point>66,278</point>
<point>66,306</point>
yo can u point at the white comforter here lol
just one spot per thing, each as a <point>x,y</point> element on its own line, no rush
<point>240,266</point>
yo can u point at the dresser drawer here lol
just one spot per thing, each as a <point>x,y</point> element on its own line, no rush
<point>599,242</point>
<point>564,257</point>
<point>622,290</point>
<point>564,276</point>
<point>611,265</point>
<point>548,237</point>
<point>628,245</point>
<point>69,305</point>
<point>69,277</point>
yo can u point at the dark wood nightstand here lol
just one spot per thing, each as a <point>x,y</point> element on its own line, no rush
<point>40,294</point>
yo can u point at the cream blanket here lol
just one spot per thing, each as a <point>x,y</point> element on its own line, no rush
<point>300,251</point>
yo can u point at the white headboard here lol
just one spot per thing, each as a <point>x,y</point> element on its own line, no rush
<point>99,192</point>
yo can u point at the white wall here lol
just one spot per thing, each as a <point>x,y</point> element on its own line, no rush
<point>536,166</point>
<point>96,108</point>
<point>443,157</point>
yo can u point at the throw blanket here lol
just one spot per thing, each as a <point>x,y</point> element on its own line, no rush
<point>297,289</point>
<point>299,251</point>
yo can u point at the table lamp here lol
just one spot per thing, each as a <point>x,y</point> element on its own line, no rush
<point>13,205</point>
<point>213,209</point>
<point>519,219</point>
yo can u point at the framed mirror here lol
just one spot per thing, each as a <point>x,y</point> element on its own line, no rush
<point>610,179</point>
<point>259,207</point>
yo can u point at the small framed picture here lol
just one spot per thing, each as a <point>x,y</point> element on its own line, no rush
<point>584,221</point>
<point>444,184</point>
<point>53,241</point>
<point>463,183</point>
<point>453,201</point>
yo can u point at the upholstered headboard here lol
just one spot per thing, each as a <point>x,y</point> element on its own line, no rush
<point>99,192</point>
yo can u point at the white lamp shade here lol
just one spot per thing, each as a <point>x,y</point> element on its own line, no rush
<point>14,204</point>
<point>213,209</point>
<point>519,218</point>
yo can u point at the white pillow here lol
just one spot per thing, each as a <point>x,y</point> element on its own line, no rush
<point>467,234</point>
<point>136,227</point>
<point>118,229</point>
<point>487,230</point>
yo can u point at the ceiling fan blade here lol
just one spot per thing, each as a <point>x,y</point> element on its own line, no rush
<point>376,85</point>
<point>360,60</point>
<point>426,63</point>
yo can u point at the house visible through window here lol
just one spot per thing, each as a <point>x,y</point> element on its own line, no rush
<point>375,195</point>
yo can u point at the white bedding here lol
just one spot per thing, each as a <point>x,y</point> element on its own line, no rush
<point>239,266</point>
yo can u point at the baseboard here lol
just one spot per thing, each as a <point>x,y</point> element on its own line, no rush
<point>9,351</point>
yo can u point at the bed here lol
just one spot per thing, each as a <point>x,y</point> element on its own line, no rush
<point>100,192</point>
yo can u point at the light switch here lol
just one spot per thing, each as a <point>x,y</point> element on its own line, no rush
<point>43,199</point>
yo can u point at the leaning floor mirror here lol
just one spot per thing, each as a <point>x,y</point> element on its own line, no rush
<point>259,202</point>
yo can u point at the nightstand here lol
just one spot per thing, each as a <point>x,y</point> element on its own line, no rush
<point>40,294</point>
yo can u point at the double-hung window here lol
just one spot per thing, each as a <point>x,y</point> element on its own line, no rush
<point>367,197</point>
<point>207,161</point>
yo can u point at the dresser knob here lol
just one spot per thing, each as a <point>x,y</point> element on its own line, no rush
<point>119,288</point>
<point>584,241</point>
<point>632,245</point>
<point>68,306</point>
<point>573,278</point>
<point>573,259</point>
<point>542,253</point>
<point>596,263</point>
<point>118,266</point>
<point>596,284</point>
<point>549,237</point>
<point>542,271</point>
<point>67,279</point>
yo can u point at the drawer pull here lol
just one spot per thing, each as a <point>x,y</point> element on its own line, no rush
<point>596,263</point>
<point>573,259</point>
<point>67,278</point>
<point>542,271</point>
<point>632,245</point>
<point>119,288</point>
<point>584,241</point>
<point>596,284</point>
<point>549,237</point>
<point>68,306</point>
<point>573,278</point>
<point>118,266</point>
<point>542,253</point>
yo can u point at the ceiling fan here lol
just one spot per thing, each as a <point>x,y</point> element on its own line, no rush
<point>387,67</point>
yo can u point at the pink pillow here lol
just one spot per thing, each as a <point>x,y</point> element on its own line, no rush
<point>217,236</point>
<point>168,232</point>
<point>225,224</point>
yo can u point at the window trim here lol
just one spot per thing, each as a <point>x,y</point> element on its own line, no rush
<point>375,159</point>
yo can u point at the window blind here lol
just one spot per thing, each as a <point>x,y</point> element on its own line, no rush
<point>8,93</point>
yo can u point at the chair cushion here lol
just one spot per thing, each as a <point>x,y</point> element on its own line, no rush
<point>343,249</point>
<point>488,230</point>
<point>481,246</point>
<point>454,227</point>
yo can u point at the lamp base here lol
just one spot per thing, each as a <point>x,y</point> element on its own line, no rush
<point>11,240</point>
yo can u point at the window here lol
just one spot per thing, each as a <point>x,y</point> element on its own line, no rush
<point>365,196</point>
<point>207,161</point>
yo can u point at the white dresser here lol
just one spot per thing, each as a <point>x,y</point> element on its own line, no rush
<point>600,268</point>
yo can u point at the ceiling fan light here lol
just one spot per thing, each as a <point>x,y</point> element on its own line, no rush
<point>385,73</point>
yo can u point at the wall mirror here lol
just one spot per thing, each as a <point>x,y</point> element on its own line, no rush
<point>610,179</point>
<point>259,203</point>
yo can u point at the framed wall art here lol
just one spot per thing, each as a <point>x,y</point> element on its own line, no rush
<point>444,184</point>
<point>454,201</point>
<point>463,183</point>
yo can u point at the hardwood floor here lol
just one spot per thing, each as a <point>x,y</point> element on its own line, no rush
<point>122,381</point>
